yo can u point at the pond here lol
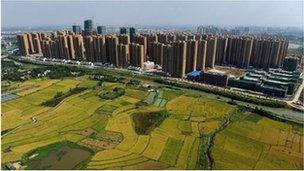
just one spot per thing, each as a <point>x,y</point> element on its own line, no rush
<point>8,96</point>
<point>62,155</point>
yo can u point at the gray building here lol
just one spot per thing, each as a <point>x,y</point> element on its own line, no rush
<point>88,27</point>
<point>76,29</point>
<point>101,30</point>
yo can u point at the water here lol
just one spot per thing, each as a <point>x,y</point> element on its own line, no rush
<point>8,96</point>
<point>65,157</point>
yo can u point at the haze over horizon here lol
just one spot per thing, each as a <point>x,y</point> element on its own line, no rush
<point>227,13</point>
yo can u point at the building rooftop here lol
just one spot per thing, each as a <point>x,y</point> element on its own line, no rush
<point>215,71</point>
<point>280,74</point>
<point>276,82</point>
<point>251,79</point>
<point>195,73</point>
<point>254,75</point>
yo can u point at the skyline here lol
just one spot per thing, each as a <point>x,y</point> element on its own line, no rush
<point>170,13</point>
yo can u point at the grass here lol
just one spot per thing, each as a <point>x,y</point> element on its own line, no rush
<point>254,118</point>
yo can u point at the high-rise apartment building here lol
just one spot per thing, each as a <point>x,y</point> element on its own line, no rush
<point>137,55</point>
<point>123,53</point>
<point>124,30</point>
<point>182,37</point>
<point>168,50</point>
<point>220,55</point>
<point>101,30</point>
<point>88,46</point>
<point>23,44</point>
<point>124,39</point>
<point>166,38</point>
<point>201,54</point>
<point>30,43</point>
<point>211,51</point>
<point>157,50</point>
<point>99,48</point>
<point>111,46</point>
<point>179,59</point>
<point>71,48</point>
<point>36,43</point>
<point>238,52</point>
<point>78,47</point>
<point>150,39</point>
<point>88,27</point>
<point>142,40</point>
<point>63,47</point>
<point>76,29</point>
<point>268,53</point>
<point>168,58</point>
<point>132,31</point>
<point>191,55</point>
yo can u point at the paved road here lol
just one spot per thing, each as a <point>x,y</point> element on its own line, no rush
<point>296,97</point>
<point>287,115</point>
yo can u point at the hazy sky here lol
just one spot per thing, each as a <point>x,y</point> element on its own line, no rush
<point>261,13</point>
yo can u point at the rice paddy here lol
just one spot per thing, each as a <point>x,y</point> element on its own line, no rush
<point>107,127</point>
<point>258,144</point>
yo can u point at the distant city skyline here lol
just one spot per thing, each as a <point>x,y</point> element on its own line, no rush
<point>225,13</point>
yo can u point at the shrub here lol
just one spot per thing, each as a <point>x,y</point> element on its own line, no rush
<point>144,123</point>
<point>115,93</point>
<point>229,94</point>
<point>59,96</point>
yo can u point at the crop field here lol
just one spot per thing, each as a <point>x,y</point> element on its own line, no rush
<point>186,107</point>
<point>258,144</point>
<point>107,127</point>
<point>21,110</point>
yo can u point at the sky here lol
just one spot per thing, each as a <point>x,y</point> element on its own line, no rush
<point>226,13</point>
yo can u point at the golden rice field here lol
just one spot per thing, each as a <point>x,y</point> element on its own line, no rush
<point>174,144</point>
<point>258,144</point>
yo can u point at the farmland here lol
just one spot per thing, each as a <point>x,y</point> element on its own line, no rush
<point>257,142</point>
<point>110,119</point>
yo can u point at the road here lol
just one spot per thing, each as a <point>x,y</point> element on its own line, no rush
<point>296,97</point>
<point>168,78</point>
<point>297,117</point>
